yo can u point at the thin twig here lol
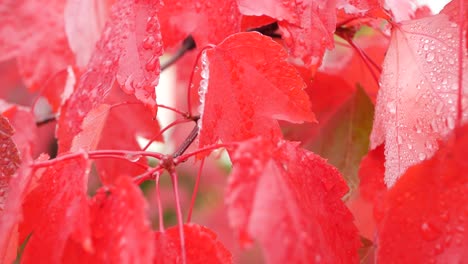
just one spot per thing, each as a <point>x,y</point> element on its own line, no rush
<point>195,190</point>
<point>46,120</point>
<point>176,122</point>
<point>187,142</point>
<point>267,30</point>
<point>179,215</point>
<point>159,203</point>
<point>187,45</point>
<point>184,157</point>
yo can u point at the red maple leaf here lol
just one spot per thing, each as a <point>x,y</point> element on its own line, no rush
<point>105,127</point>
<point>401,9</point>
<point>128,52</point>
<point>371,173</point>
<point>307,27</point>
<point>121,232</point>
<point>97,64</point>
<point>246,84</point>
<point>417,102</point>
<point>33,32</point>
<point>53,209</point>
<point>430,204</point>
<point>84,21</point>
<point>365,204</point>
<point>289,199</point>
<point>361,64</point>
<point>201,246</point>
<point>209,22</point>
<point>361,7</point>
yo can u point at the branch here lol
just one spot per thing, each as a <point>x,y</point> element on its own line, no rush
<point>187,45</point>
<point>179,215</point>
<point>187,142</point>
<point>267,30</point>
<point>46,120</point>
<point>195,191</point>
<point>183,158</point>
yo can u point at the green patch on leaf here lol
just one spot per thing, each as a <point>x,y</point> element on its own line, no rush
<point>344,139</point>
<point>21,249</point>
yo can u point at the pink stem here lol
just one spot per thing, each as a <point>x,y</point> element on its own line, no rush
<point>119,157</point>
<point>52,162</point>
<point>180,221</point>
<point>184,157</point>
<point>127,153</point>
<point>366,60</point>
<point>124,103</point>
<point>159,105</point>
<point>365,56</point>
<point>176,122</point>
<point>159,203</point>
<point>97,154</point>
<point>195,191</point>
<point>148,175</point>
<point>174,110</point>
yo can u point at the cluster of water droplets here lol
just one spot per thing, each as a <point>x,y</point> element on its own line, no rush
<point>203,87</point>
<point>446,230</point>
<point>423,107</point>
<point>152,42</point>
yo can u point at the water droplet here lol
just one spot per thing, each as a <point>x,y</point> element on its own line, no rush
<point>132,157</point>
<point>450,122</point>
<point>152,64</point>
<point>429,232</point>
<point>444,216</point>
<point>438,249</point>
<point>152,24</point>
<point>434,126</point>
<point>391,107</point>
<point>198,6</point>
<point>429,145</point>
<point>439,108</point>
<point>448,240</point>
<point>205,73</point>
<point>422,156</point>
<point>107,63</point>
<point>454,87</point>
<point>203,88</point>
<point>318,258</point>
<point>430,57</point>
<point>148,42</point>
<point>128,86</point>
<point>203,84</point>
